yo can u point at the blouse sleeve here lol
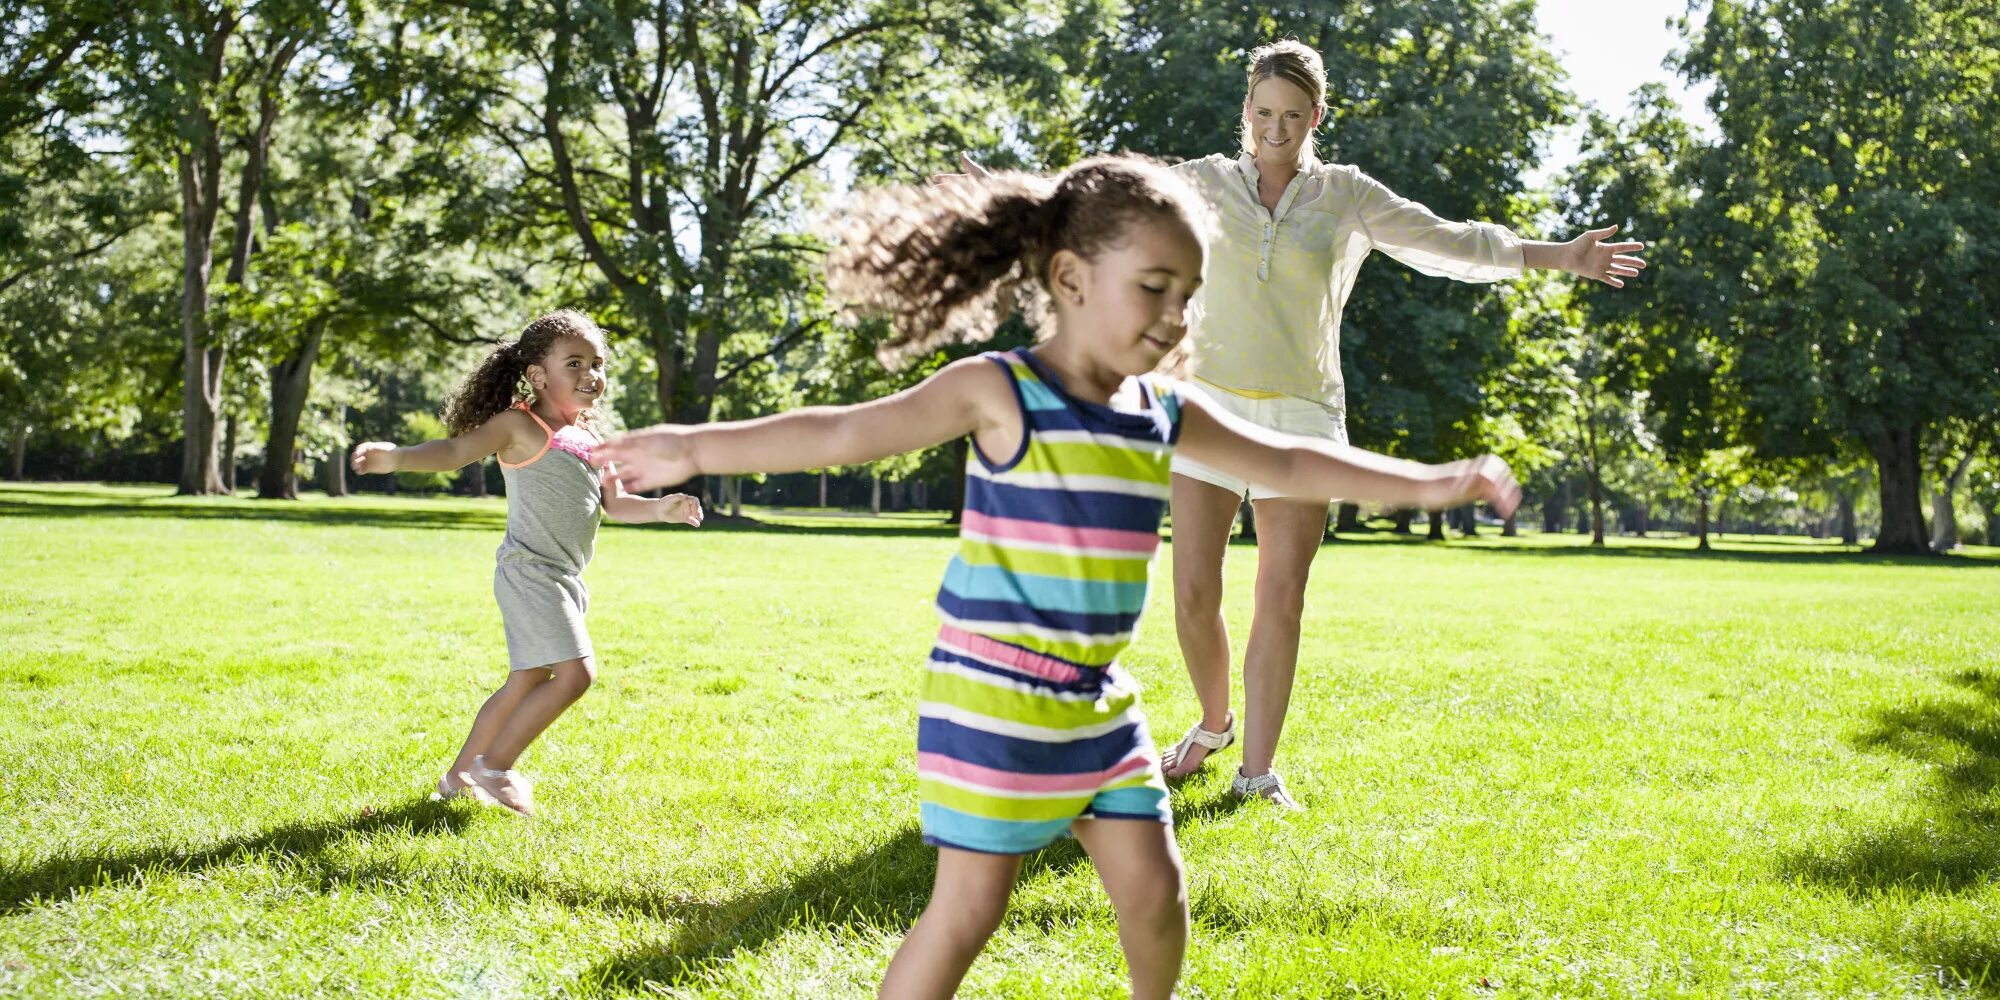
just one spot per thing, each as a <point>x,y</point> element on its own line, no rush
<point>1411,233</point>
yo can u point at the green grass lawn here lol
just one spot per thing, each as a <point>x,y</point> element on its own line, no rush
<point>1531,769</point>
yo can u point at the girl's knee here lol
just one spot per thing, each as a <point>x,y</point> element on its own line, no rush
<point>577,677</point>
<point>971,918</point>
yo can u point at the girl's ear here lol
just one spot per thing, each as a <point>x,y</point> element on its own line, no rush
<point>1067,274</point>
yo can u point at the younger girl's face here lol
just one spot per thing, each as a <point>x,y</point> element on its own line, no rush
<point>1135,296</point>
<point>571,375</point>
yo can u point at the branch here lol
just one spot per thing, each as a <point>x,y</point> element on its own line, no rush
<point>15,278</point>
<point>778,345</point>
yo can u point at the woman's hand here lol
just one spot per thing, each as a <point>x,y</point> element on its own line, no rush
<point>1588,256</point>
<point>662,455</point>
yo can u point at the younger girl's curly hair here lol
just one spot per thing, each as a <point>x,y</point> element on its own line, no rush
<point>500,379</point>
<point>946,264</point>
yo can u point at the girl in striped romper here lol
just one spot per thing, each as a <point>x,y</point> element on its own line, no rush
<point>529,404</point>
<point>1028,729</point>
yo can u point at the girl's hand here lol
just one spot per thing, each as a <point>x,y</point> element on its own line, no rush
<point>1591,257</point>
<point>1484,479</point>
<point>371,457</point>
<point>680,509</point>
<point>972,171</point>
<point>663,455</point>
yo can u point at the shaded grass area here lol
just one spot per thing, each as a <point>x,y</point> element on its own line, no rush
<point>1770,771</point>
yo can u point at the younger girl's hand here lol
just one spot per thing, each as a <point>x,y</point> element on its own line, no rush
<point>1484,479</point>
<point>680,509</point>
<point>662,455</point>
<point>371,457</point>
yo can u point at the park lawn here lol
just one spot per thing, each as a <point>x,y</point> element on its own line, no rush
<point>1531,769</point>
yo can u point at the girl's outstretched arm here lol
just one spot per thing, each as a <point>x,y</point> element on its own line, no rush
<point>446,454</point>
<point>678,508</point>
<point>1307,468</point>
<point>968,396</point>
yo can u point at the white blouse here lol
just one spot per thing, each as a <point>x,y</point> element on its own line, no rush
<point>1268,316</point>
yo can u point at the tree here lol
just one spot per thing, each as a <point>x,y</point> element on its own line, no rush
<point>199,80</point>
<point>1859,166</point>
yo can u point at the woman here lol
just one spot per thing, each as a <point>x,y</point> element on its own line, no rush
<point>1293,232</point>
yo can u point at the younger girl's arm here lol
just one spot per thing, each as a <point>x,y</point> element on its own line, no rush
<point>1307,468</point>
<point>627,508</point>
<point>442,455</point>
<point>967,396</point>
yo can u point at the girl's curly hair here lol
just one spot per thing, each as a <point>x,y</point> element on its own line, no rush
<point>500,379</point>
<point>945,264</point>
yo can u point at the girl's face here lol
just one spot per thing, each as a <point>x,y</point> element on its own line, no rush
<point>1131,302</point>
<point>1280,118</point>
<point>571,375</point>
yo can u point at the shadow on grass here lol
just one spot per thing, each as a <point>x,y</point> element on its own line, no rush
<point>1954,846</point>
<point>1798,556</point>
<point>885,887</point>
<point>358,511</point>
<point>60,878</point>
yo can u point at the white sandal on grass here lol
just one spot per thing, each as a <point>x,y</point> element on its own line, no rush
<point>509,788</point>
<point>455,785</point>
<point>1267,786</point>
<point>1198,737</point>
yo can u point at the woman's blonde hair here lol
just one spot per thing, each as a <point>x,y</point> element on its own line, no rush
<point>1293,62</point>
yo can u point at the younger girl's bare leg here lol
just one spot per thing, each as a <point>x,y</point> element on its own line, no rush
<point>967,902</point>
<point>567,681</point>
<point>499,706</point>
<point>1141,870</point>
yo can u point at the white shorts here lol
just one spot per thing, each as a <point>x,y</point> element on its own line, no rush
<point>1293,415</point>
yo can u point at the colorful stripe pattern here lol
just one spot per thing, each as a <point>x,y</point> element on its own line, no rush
<point>1026,722</point>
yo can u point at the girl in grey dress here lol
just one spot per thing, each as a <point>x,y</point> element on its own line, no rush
<point>530,404</point>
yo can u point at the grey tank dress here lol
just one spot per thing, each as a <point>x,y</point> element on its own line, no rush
<point>553,503</point>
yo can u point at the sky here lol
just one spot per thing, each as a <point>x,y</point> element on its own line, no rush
<point>1608,47</point>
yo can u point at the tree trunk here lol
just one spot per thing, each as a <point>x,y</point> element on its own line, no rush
<point>478,472</point>
<point>291,382</point>
<point>822,487</point>
<point>962,449</point>
<point>333,474</point>
<point>1944,521</point>
<point>1993,528</point>
<point>1248,511</point>
<point>921,493</point>
<point>1898,475</point>
<point>1508,529</point>
<point>875,494</point>
<point>199,165</point>
<point>1348,519</point>
<point>1469,520</point>
<point>1596,509</point>
<point>1639,517</point>
<point>1403,519</point>
<point>228,467</point>
<point>18,461</point>
<point>1437,527</point>
<point>1701,522</point>
<point>1944,508</point>
<point>734,484</point>
<point>1849,533</point>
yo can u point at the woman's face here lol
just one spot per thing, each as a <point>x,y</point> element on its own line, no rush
<point>1280,117</point>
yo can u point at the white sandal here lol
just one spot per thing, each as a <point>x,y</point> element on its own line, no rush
<point>508,788</point>
<point>1198,737</point>
<point>1267,786</point>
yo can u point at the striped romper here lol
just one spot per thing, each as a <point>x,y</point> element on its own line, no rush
<point>1026,721</point>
